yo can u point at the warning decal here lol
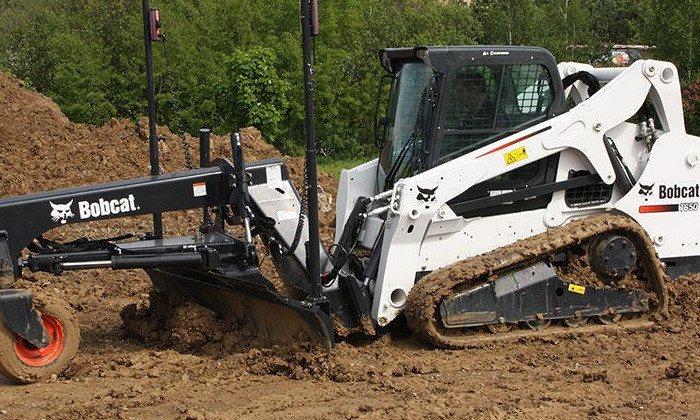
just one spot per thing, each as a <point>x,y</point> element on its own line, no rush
<point>199,189</point>
<point>575,288</point>
<point>515,155</point>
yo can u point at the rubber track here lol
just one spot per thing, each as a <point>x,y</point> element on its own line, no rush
<point>425,296</point>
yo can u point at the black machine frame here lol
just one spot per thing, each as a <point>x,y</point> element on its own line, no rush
<point>206,266</point>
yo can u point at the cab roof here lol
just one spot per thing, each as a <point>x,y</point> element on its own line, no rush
<point>443,58</point>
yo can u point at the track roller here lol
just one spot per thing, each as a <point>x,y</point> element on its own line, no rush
<point>609,319</point>
<point>500,328</point>
<point>538,324</point>
<point>575,321</point>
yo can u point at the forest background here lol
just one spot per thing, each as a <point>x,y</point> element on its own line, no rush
<point>234,63</point>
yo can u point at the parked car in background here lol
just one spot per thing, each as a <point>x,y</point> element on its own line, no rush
<point>622,55</point>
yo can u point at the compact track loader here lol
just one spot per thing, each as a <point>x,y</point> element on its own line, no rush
<point>512,198</point>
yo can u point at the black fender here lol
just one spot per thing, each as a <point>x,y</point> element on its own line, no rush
<point>21,318</point>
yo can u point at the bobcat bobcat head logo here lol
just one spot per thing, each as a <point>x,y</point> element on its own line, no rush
<point>426,195</point>
<point>61,212</point>
<point>646,190</point>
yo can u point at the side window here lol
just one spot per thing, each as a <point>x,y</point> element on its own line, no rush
<point>473,96</point>
<point>532,87</point>
<point>487,103</point>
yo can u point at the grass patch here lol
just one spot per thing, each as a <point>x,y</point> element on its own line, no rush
<point>334,166</point>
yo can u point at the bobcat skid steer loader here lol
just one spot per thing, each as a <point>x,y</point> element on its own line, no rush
<point>512,197</point>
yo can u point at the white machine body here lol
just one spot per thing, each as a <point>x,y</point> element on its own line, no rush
<point>421,236</point>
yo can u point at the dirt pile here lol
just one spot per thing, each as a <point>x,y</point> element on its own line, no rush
<point>42,150</point>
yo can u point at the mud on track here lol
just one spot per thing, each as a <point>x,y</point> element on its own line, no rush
<point>202,370</point>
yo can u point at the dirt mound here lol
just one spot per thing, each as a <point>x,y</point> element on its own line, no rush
<point>373,361</point>
<point>42,150</point>
<point>169,321</point>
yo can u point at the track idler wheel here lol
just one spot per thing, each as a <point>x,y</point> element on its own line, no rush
<point>22,362</point>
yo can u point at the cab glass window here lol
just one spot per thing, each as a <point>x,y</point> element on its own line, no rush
<point>487,103</point>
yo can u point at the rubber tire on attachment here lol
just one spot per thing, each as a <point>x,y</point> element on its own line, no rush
<point>17,370</point>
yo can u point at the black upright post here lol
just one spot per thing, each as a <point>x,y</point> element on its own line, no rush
<point>313,248</point>
<point>150,93</point>
<point>204,155</point>
<point>204,146</point>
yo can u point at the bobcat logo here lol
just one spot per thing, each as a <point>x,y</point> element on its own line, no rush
<point>426,195</point>
<point>646,190</point>
<point>61,212</point>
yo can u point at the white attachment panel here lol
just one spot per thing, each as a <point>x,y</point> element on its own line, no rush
<point>359,181</point>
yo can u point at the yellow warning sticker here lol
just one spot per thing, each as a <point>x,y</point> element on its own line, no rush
<point>515,155</point>
<point>575,288</point>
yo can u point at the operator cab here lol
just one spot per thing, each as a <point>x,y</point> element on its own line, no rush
<point>445,102</point>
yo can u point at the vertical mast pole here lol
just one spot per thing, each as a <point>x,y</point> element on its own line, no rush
<point>150,94</point>
<point>313,246</point>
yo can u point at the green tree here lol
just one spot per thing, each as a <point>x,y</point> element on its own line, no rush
<point>88,54</point>
<point>507,22</point>
<point>563,25</point>
<point>80,83</point>
<point>673,27</point>
<point>617,21</point>
<point>253,93</point>
<point>26,33</point>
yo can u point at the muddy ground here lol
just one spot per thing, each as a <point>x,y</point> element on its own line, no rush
<point>619,375</point>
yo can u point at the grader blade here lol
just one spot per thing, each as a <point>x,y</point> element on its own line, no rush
<point>252,300</point>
